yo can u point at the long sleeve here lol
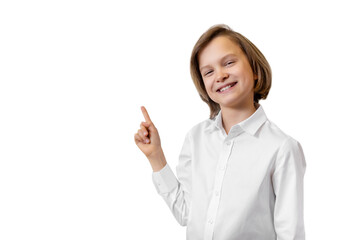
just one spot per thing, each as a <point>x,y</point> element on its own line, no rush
<point>288,187</point>
<point>176,191</point>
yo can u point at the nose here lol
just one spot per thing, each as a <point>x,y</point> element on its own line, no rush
<point>221,75</point>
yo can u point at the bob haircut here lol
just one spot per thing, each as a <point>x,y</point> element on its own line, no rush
<point>257,61</point>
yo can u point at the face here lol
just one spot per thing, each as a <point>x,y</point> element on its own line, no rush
<point>223,63</point>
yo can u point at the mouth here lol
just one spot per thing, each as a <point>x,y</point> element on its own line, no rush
<point>227,88</point>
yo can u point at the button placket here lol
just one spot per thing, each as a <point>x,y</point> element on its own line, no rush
<point>215,200</point>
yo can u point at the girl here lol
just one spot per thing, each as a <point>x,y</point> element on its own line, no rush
<point>239,176</point>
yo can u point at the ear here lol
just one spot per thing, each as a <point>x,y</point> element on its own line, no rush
<point>255,80</point>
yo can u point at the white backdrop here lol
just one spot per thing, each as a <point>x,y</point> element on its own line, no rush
<point>73,75</point>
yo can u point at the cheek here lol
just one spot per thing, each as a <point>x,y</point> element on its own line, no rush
<point>208,91</point>
<point>207,86</point>
<point>243,71</point>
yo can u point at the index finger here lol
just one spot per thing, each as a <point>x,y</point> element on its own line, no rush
<point>146,115</point>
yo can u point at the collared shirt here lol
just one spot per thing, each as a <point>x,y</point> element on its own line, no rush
<point>247,184</point>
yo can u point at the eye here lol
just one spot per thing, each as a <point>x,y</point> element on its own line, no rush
<point>208,72</point>
<point>229,62</point>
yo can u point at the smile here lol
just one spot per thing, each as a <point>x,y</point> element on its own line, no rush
<point>227,88</point>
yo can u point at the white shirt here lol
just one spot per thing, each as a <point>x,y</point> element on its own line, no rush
<point>246,185</point>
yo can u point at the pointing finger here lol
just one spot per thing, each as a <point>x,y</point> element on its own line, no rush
<point>146,115</point>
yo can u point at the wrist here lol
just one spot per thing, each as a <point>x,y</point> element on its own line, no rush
<point>157,161</point>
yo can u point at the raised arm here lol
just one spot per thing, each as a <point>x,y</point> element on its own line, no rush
<point>175,191</point>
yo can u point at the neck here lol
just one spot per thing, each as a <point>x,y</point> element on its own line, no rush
<point>232,116</point>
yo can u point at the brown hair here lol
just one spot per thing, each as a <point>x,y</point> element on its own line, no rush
<point>257,61</point>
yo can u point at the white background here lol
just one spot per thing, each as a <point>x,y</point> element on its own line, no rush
<point>75,73</point>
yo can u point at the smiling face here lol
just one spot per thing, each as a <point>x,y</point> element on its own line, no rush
<point>223,63</point>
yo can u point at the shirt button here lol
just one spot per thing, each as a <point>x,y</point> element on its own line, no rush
<point>228,143</point>
<point>211,221</point>
<point>222,168</point>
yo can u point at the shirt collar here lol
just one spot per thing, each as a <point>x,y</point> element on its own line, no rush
<point>249,125</point>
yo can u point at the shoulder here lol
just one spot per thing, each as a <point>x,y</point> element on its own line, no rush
<point>276,135</point>
<point>289,153</point>
<point>200,128</point>
<point>291,148</point>
<point>287,146</point>
<point>291,157</point>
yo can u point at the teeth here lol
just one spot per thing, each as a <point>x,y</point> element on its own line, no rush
<point>223,89</point>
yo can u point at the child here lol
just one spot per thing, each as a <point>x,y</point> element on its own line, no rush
<point>239,176</point>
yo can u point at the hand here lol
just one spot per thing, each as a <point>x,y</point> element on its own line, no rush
<point>147,138</point>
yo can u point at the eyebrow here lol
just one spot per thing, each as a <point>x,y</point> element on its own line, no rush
<point>227,55</point>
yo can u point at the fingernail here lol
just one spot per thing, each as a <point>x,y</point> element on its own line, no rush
<point>147,140</point>
<point>144,133</point>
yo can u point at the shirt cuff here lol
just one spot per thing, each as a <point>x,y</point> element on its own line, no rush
<point>164,180</point>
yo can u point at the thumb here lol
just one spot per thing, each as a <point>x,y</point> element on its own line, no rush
<point>150,125</point>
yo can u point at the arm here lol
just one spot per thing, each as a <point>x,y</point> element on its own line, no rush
<point>288,187</point>
<point>176,191</point>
